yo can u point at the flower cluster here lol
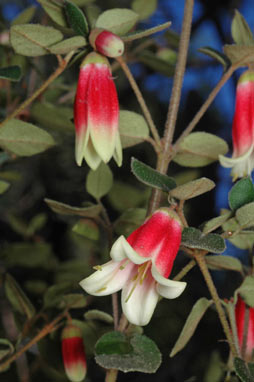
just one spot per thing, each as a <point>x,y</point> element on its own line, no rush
<point>140,266</point>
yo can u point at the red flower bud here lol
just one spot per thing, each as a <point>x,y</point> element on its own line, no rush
<point>106,42</point>
<point>73,353</point>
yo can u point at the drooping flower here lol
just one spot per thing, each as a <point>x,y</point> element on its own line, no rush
<point>140,266</point>
<point>96,113</point>
<point>106,42</point>
<point>73,353</point>
<point>242,161</point>
<point>241,312</point>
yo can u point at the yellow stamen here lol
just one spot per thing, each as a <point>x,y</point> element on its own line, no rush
<point>139,277</point>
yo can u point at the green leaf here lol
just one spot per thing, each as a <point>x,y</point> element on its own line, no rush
<point>65,209</point>
<point>241,193</point>
<point>87,228</point>
<point>133,128</point>
<point>144,8</point>
<point>68,45</point>
<point>239,54</point>
<point>194,238</point>
<point>72,301</point>
<point>76,18</point>
<point>200,149</point>
<point>224,262</point>
<point>144,33</point>
<point>245,215</point>
<point>197,312</point>
<point>55,294</point>
<point>11,73</point>
<point>95,314</point>
<point>242,371</point>
<point>243,239</point>
<point>241,31</point>
<point>100,181</point>
<point>33,39</point>
<point>215,223</point>
<point>156,63</point>
<point>218,56</point>
<point>6,348</point>
<point>3,186</point>
<point>23,138</point>
<point>17,297</point>
<point>36,223</point>
<point>192,189</point>
<point>215,369</point>
<point>55,11</point>
<point>130,220</point>
<point>123,196</point>
<point>151,177</point>
<point>117,20</point>
<point>246,290</point>
<point>25,16</point>
<point>114,350</point>
<point>53,117</point>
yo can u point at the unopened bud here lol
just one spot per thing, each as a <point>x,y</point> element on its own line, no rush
<point>106,42</point>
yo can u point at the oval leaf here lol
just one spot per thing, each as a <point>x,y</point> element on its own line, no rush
<point>114,350</point>
<point>11,73</point>
<point>33,39</point>
<point>151,177</point>
<point>65,209</point>
<point>240,30</point>
<point>194,238</point>
<point>241,193</point>
<point>246,290</point>
<point>245,215</point>
<point>144,8</point>
<point>215,223</point>
<point>76,18</point>
<point>192,189</point>
<point>239,53</point>
<point>87,228</point>
<point>242,370</point>
<point>23,138</point>
<point>96,314</point>
<point>200,149</point>
<point>100,181</point>
<point>55,11</point>
<point>25,16</point>
<point>224,262</point>
<point>133,128</point>
<point>191,324</point>
<point>117,20</point>
<point>68,45</point>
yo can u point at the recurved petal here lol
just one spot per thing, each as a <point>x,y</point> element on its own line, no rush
<point>108,279</point>
<point>138,305</point>
<point>92,158</point>
<point>122,249</point>
<point>168,288</point>
<point>118,153</point>
<point>241,166</point>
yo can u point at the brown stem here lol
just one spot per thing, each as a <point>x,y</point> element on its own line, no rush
<point>62,65</point>
<point>111,375</point>
<point>209,282</point>
<point>141,101</point>
<point>185,270</point>
<point>45,331</point>
<point>115,309</point>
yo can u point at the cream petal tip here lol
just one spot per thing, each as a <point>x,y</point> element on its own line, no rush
<point>117,252</point>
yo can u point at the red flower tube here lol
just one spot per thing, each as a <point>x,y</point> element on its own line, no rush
<point>140,266</point>
<point>242,161</point>
<point>73,353</point>
<point>240,314</point>
<point>96,113</point>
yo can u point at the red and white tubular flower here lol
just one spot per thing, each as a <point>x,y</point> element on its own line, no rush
<point>140,266</point>
<point>242,161</point>
<point>96,113</point>
<point>241,311</point>
<point>106,42</point>
<point>73,353</point>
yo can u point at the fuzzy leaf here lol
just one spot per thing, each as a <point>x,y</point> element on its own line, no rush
<point>68,45</point>
<point>117,20</point>
<point>123,196</point>
<point>240,30</point>
<point>33,39</point>
<point>246,290</point>
<point>114,350</point>
<point>17,297</point>
<point>151,177</point>
<point>215,223</point>
<point>133,128</point>
<point>144,8</point>
<point>194,238</point>
<point>241,193</point>
<point>76,18</point>
<point>245,215</point>
<point>53,117</point>
<point>191,324</point>
<point>55,11</point>
<point>87,228</point>
<point>200,149</point>
<point>242,371</point>
<point>25,16</point>
<point>65,209</point>
<point>100,181</point>
<point>218,56</point>
<point>224,262</point>
<point>95,314</point>
<point>239,53</point>
<point>192,189</point>
<point>24,139</point>
<point>144,33</point>
<point>11,73</point>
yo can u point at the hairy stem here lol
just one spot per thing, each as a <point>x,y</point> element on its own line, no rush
<point>185,270</point>
<point>111,375</point>
<point>209,282</point>
<point>61,67</point>
<point>141,101</point>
